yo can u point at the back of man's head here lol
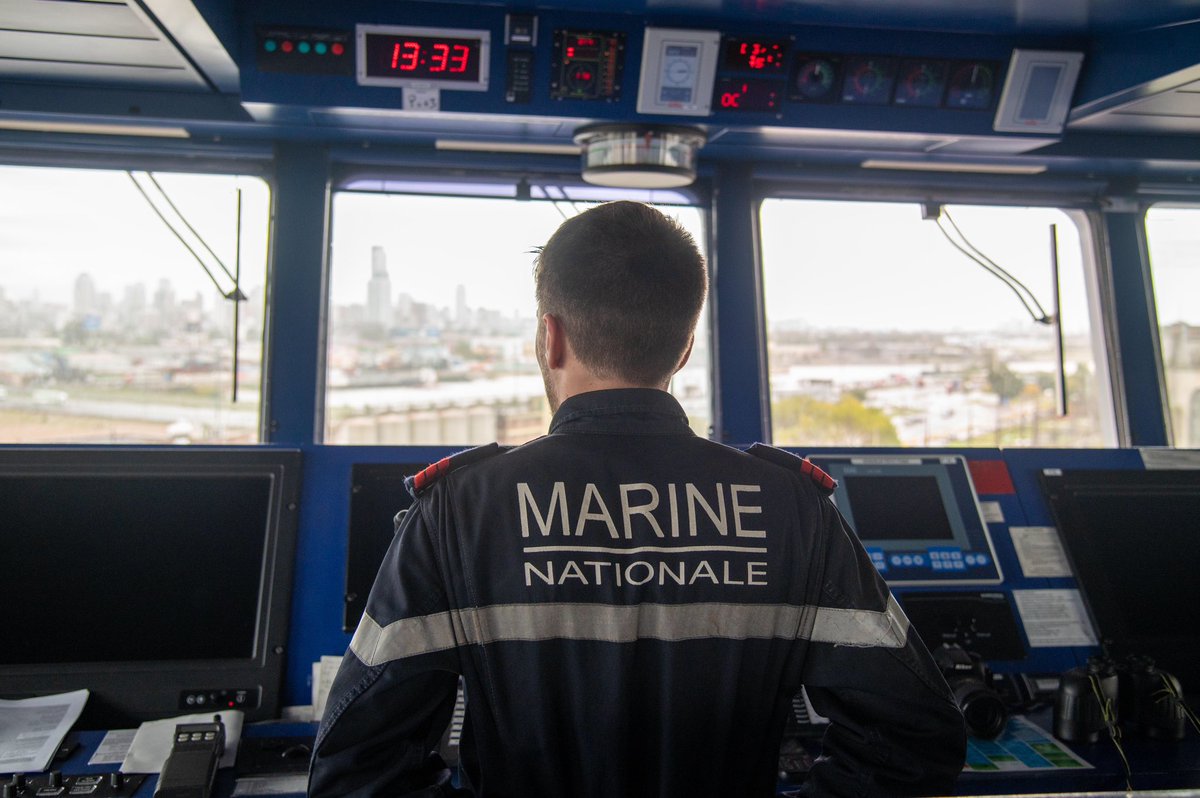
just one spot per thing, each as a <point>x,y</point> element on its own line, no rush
<point>627,284</point>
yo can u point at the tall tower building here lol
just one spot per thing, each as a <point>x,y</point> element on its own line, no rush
<point>461,312</point>
<point>379,290</point>
<point>85,294</point>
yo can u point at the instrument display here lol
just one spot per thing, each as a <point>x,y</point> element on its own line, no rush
<point>425,57</point>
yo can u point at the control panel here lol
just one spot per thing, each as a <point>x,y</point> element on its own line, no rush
<point>917,516</point>
<point>55,783</point>
<point>552,63</point>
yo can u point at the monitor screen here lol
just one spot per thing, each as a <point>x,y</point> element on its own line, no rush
<point>916,515</point>
<point>1133,539</point>
<point>898,507</point>
<point>377,495</point>
<point>159,579</point>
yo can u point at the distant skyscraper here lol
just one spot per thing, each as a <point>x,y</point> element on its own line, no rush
<point>379,290</point>
<point>164,297</point>
<point>85,294</point>
<point>134,300</point>
<point>460,305</point>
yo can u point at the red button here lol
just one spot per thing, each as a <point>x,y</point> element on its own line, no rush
<point>338,48</point>
<point>287,47</point>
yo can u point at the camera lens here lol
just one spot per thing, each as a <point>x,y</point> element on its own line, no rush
<point>982,709</point>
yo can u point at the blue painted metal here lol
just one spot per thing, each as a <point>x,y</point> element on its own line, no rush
<point>1120,61</point>
<point>1135,321</point>
<point>297,277</point>
<point>739,344</point>
<point>320,575</point>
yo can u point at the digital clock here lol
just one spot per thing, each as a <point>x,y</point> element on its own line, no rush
<point>438,58</point>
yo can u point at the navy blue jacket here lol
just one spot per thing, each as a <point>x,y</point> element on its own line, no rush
<point>632,608</point>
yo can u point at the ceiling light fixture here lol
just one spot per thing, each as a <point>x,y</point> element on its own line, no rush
<point>98,128</point>
<point>950,166</point>
<point>640,156</point>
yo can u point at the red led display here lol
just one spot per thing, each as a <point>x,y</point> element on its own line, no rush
<point>734,94</point>
<point>753,55</point>
<point>437,58</point>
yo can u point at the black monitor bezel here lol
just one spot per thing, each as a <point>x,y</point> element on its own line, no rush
<point>1063,489</point>
<point>126,693</point>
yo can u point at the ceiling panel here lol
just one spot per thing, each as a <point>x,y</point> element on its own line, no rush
<point>67,16</point>
<point>90,43</point>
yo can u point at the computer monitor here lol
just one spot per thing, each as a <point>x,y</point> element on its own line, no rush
<point>377,495</point>
<point>1133,540</point>
<point>916,515</point>
<point>158,579</point>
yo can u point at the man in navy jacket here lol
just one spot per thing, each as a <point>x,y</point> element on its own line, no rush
<point>631,607</point>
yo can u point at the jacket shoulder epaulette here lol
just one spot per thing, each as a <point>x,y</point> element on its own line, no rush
<point>422,481</point>
<point>793,462</point>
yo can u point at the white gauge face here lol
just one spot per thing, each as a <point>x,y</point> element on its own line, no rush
<point>677,71</point>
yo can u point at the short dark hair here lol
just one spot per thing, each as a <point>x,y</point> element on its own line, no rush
<point>627,284</point>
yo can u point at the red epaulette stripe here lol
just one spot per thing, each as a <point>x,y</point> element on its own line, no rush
<point>817,475</point>
<point>431,473</point>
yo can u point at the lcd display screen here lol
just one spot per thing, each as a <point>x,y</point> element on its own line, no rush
<point>131,567</point>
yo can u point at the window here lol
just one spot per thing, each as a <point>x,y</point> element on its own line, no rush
<point>1173,236</point>
<point>112,329</point>
<point>432,321</point>
<point>881,333</point>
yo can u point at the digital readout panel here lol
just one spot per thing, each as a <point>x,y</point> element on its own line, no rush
<point>446,58</point>
<point>762,56</point>
<point>587,65</point>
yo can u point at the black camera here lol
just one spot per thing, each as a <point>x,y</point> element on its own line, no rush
<point>970,681</point>
<point>1086,702</point>
<point>1150,700</point>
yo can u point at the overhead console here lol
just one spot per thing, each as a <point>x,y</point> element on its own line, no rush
<point>924,91</point>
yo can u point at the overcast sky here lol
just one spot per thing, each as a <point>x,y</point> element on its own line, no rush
<point>828,264</point>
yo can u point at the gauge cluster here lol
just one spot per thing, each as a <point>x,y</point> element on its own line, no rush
<point>755,75</point>
<point>588,69</point>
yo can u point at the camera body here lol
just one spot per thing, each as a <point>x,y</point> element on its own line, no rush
<point>970,681</point>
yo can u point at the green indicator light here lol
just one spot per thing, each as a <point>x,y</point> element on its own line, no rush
<point>304,47</point>
<point>320,48</point>
<point>270,46</point>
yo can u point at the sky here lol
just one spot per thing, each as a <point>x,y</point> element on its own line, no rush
<point>57,223</point>
<point>857,265</point>
<point>434,244</point>
<point>880,266</point>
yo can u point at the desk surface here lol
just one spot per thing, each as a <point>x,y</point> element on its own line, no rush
<point>1164,769</point>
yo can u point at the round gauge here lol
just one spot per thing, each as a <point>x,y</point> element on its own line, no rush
<point>971,85</point>
<point>816,79</point>
<point>580,76</point>
<point>921,83</point>
<point>869,80</point>
<point>679,71</point>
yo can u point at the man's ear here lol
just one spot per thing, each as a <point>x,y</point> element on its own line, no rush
<point>687,353</point>
<point>556,342</point>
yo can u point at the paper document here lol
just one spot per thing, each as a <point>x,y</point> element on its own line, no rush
<point>1021,746</point>
<point>113,748</point>
<point>323,672</point>
<point>1039,551</point>
<point>32,729</point>
<point>287,784</point>
<point>1054,618</point>
<point>152,742</point>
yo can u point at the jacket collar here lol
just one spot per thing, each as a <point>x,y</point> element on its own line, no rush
<point>622,410</point>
